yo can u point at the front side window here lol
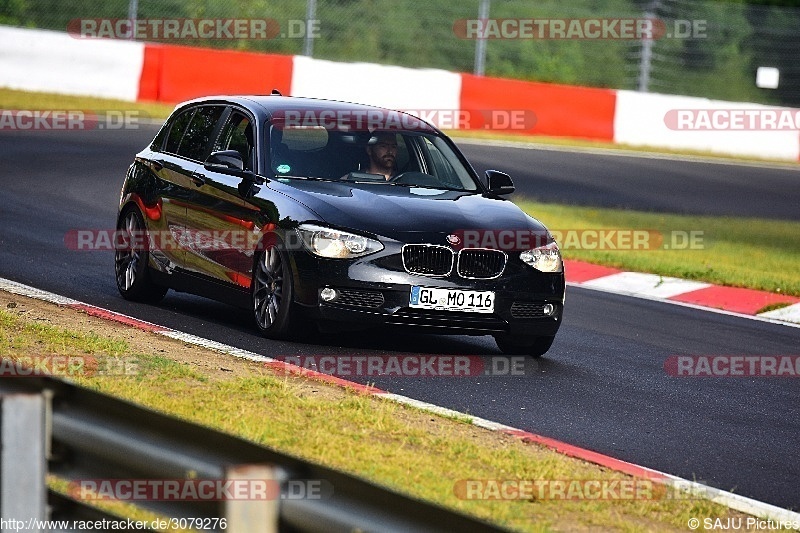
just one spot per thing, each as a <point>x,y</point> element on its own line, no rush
<point>237,134</point>
<point>443,164</point>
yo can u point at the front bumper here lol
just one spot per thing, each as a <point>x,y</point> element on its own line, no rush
<point>376,290</point>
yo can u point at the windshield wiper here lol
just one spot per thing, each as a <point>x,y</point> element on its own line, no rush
<point>307,178</point>
<point>435,187</point>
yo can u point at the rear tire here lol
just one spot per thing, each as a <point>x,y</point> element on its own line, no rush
<point>272,294</point>
<point>132,266</point>
<point>533,346</point>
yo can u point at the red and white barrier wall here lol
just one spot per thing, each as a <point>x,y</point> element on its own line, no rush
<point>54,62</point>
<point>47,61</point>
<point>644,119</point>
<point>380,85</point>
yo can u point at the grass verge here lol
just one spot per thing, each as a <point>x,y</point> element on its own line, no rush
<point>739,252</point>
<point>13,99</point>
<point>415,452</point>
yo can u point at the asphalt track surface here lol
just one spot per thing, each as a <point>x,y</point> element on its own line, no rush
<point>635,182</point>
<point>602,386</point>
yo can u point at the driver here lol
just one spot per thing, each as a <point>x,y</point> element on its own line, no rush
<point>383,155</point>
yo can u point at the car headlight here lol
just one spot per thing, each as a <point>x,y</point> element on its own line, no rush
<point>335,244</point>
<point>543,258</point>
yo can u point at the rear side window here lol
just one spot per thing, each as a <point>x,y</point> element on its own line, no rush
<point>176,131</point>
<point>198,134</point>
<point>158,143</point>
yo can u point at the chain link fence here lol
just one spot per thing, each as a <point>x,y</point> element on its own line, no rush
<point>700,48</point>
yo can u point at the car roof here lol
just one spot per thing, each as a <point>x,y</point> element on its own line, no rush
<point>266,106</point>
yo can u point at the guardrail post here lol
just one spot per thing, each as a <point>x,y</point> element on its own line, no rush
<point>23,468</point>
<point>248,513</point>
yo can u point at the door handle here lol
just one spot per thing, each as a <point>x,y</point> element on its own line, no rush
<point>153,164</point>
<point>198,179</point>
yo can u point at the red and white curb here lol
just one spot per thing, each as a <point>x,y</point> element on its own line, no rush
<point>727,300</point>
<point>692,488</point>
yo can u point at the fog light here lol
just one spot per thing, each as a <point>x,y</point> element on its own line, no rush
<point>328,295</point>
<point>549,309</point>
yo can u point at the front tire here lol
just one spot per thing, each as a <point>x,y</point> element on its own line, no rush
<point>132,266</point>
<point>533,346</point>
<point>272,294</point>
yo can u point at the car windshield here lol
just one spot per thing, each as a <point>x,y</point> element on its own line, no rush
<point>417,159</point>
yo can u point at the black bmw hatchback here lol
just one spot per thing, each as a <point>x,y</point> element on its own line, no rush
<point>305,210</point>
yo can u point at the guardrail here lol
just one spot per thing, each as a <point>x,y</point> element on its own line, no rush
<point>50,426</point>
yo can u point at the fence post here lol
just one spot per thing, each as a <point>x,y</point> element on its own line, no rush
<point>311,14</point>
<point>480,43</point>
<point>133,14</point>
<point>23,468</point>
<point>646,59</point>
<point>250,514</point>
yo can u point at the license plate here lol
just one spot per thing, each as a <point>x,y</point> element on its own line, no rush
<point>452,299</point>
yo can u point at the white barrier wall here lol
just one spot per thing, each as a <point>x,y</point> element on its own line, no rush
<point>644,119</point>
<point>55,62</point>
<point>47,61</point>
<point>379,85</point>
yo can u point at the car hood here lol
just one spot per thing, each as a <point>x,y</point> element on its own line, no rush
<point>405,213</point>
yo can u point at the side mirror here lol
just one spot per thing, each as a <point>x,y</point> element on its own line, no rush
<point>225,160</point>
<point>230,162</point>
<point>499,182</point>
